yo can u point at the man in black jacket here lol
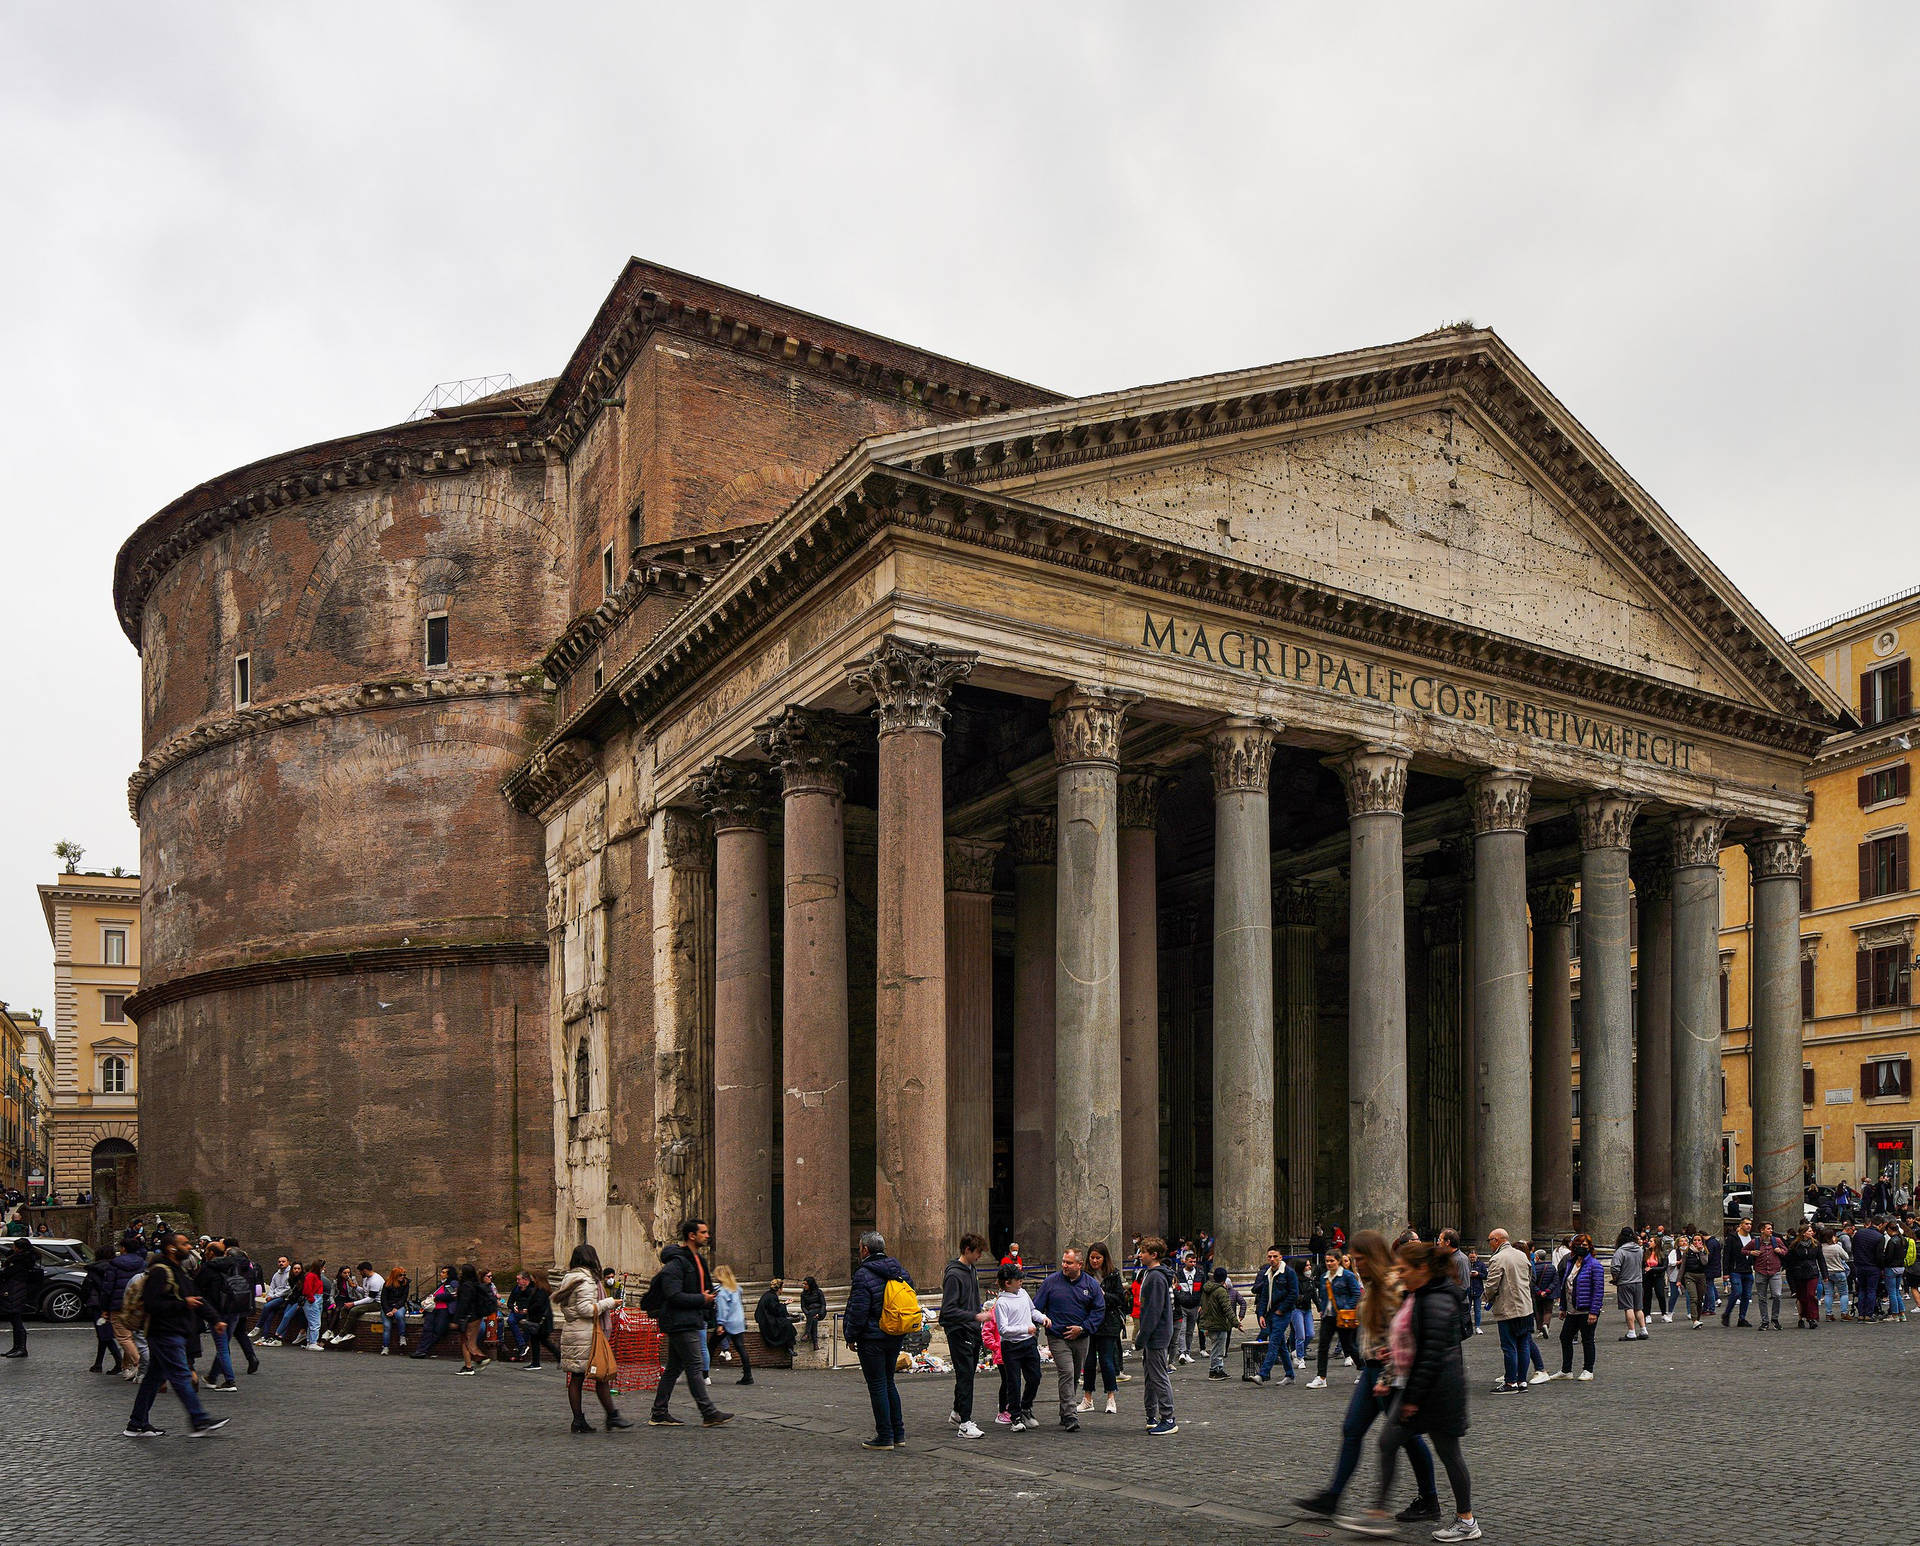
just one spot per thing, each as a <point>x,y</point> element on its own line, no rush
<point>530,1319</point>
<point>171,1313</point>
<point>687,1282</point>
<point>21,1277</point>
<point>1276,1292</point>
<point>960,1320</point>
<point>222,1283</point>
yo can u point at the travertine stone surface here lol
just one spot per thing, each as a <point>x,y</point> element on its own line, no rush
<point>1774,858</point>
<point>1241,752</point>
<point>1606,990</point>
<point>1551,907</point>
<point>1504,1179</point>
<point>1376,784</point>
<point>1694,1028</point>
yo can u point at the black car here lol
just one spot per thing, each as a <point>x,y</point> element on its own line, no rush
<point>61,1296</point>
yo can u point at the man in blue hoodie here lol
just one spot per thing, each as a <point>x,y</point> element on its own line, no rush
<point>878,1352</point>
<point>1072,1301</point>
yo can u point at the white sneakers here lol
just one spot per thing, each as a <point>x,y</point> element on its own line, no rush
<point>1584,1374</point>
<point>1086,1404</point>
<point>968,1430</point>
<point>1316,1383</point>
<point>1540,1377</point>
<point>1113,1407</point>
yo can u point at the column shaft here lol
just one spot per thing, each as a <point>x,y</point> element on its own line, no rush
<point>1376,784</point>
<point>1295,949</point>
<point>1778,1184</point>
<point>969,1035</point>
<point>816,1163</point>
<point>1036,901</point>
<point>743,1053</point>
<point>1140,1211</point>
<point>1694,1023</point>
<point>1653,1060</point>
<point>1182,1081</point>
<point>1086,983</point>
<point>1606,992</point>
<point>1243,1140</point>
<point>1552,908</point>
<point>1503,1182</point>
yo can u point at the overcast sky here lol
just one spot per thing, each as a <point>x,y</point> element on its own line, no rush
<point>234,231</point>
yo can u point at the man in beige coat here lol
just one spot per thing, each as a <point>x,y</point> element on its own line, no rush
<point>1509,1300</point>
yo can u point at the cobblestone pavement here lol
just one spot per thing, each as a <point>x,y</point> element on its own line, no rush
<point>386,1449</point>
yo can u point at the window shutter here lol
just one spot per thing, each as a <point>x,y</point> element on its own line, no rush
<point>1866,698</point>
<point>1866,1081</point>
<point>1900,861</point>
<point>1866,872</point>
<point>1903,780</point>
<point>1863,979</point>
<point>1903,1073</point>
<point>1806,992</point>
<point>1903,689</point>
<point>1806,1086</point>
<point>1806,883</point>
<point>1865,786</point>
<point>1724,993</point>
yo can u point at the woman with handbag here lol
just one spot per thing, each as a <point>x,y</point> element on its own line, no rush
<point>1339,1316</point>
<point>584,1350</point>
<point>1379,1301</point>
<point>1425,1385</point>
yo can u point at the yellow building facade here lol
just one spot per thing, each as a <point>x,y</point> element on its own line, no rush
<point>1858,922</point>
<point>94,923</point>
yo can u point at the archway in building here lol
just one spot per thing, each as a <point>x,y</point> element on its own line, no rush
<point>108,1155</point>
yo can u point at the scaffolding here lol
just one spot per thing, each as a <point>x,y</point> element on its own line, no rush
<point>457,394</point>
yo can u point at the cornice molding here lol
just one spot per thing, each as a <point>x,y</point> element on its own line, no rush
<point>553,772</point>
<point>358,698</point>
<point>681,570</point>
<point>334,964</point>
<point>426,448</point>
<point>647,299</point>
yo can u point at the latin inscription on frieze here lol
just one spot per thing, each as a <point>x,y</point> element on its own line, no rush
<point>1430,693</point>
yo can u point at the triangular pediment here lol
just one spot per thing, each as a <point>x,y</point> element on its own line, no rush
<point>1438,477</point>
<point>1424,511</point>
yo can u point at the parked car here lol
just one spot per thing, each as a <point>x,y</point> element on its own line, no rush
<point>66,1264</point>
<point>1739,1205</point>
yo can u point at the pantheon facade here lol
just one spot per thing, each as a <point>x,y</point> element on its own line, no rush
<point>773,773</point>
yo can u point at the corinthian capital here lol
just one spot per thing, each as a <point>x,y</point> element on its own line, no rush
<point>734,793</point>
<point>970,864</point>
<point>909,681</point>
<point>1030,836</point>
<point>1500,799</point>
<point>1696,840</point>
<point>1551,904</point>
<point>1775,854</point>
<point>1140,799</point>
<point>1086,723</point>
<point>1606,820</point>
<point>1242,754</point>
<point>809,747</point>
<point>1375,779</point>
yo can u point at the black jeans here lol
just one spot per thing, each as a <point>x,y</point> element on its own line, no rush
<point>1349,1343</point>
<point>1019,1375</point>
<point>19,1331</point>
<point>683,1357</point>
<point>237,1337</point>
<point>878,1356</point>
<point>1103,1362</point>
<point>1575,1326</point>
<point>963,1347</point>
<point>107,1348</point>
<point>1394,1435</point>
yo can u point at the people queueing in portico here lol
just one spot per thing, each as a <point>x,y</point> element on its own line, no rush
<point>1105,898</point>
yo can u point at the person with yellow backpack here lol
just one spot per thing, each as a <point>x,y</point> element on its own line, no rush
<point>882,1311</point>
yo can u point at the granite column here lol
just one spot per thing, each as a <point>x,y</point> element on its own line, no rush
<point>1036,900</point>
<point>1778,1178</point>
<point>1694,1022</point>
<point>969,1034</point>
<point>1140,1212</point>
<point>1503,1178</point>
<point>1653,1016</point>
<point>1606,992</point>
<point>1552,909</point>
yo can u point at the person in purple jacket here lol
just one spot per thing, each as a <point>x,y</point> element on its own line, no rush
<point>1582,1293</point>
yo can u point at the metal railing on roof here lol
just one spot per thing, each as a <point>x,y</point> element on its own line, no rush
<point>457,394</point>
<point>1841,617</point>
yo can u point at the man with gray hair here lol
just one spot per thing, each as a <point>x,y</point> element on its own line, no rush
<point>878,1351</point>
<point>1509,1298</point>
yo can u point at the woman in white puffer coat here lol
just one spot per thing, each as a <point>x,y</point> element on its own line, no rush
<point>581,1299</point>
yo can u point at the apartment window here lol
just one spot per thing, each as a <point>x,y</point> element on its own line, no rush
<point>599,677</point>
<point>1806,987</point>
<point>242,681</point>
<point>1575,1006</point>
<point>113,947</point>
<point>1576,1103</point>
<point>1883,866</point>
<point>436,640</point>
<point>1886,694</point>
<point>1878,981</point>
<point>606,570</point>
<point>113,1076</point>
<point>113,1008</point>
<point>1806,1084</point>
<point>1886,1079</point>
<point>1573,935</point>
<point>1884,784</point>
<point>633,529</point>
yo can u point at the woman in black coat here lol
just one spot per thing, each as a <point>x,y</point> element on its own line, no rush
<point>1425,1381</point>
<point>773,1320</point>
<point>813,1307</point>
<point>469,1314</point>
<point>1103,1355</point>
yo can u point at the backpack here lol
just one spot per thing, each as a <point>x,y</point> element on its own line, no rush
<point>133,1307</point>
<point>654,1300</point>
<point>900,1312</point>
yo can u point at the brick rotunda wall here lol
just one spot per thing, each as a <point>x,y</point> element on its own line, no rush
<point>343,923</point>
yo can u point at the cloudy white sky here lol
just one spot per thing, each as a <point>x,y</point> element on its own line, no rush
<point>235,230</point>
